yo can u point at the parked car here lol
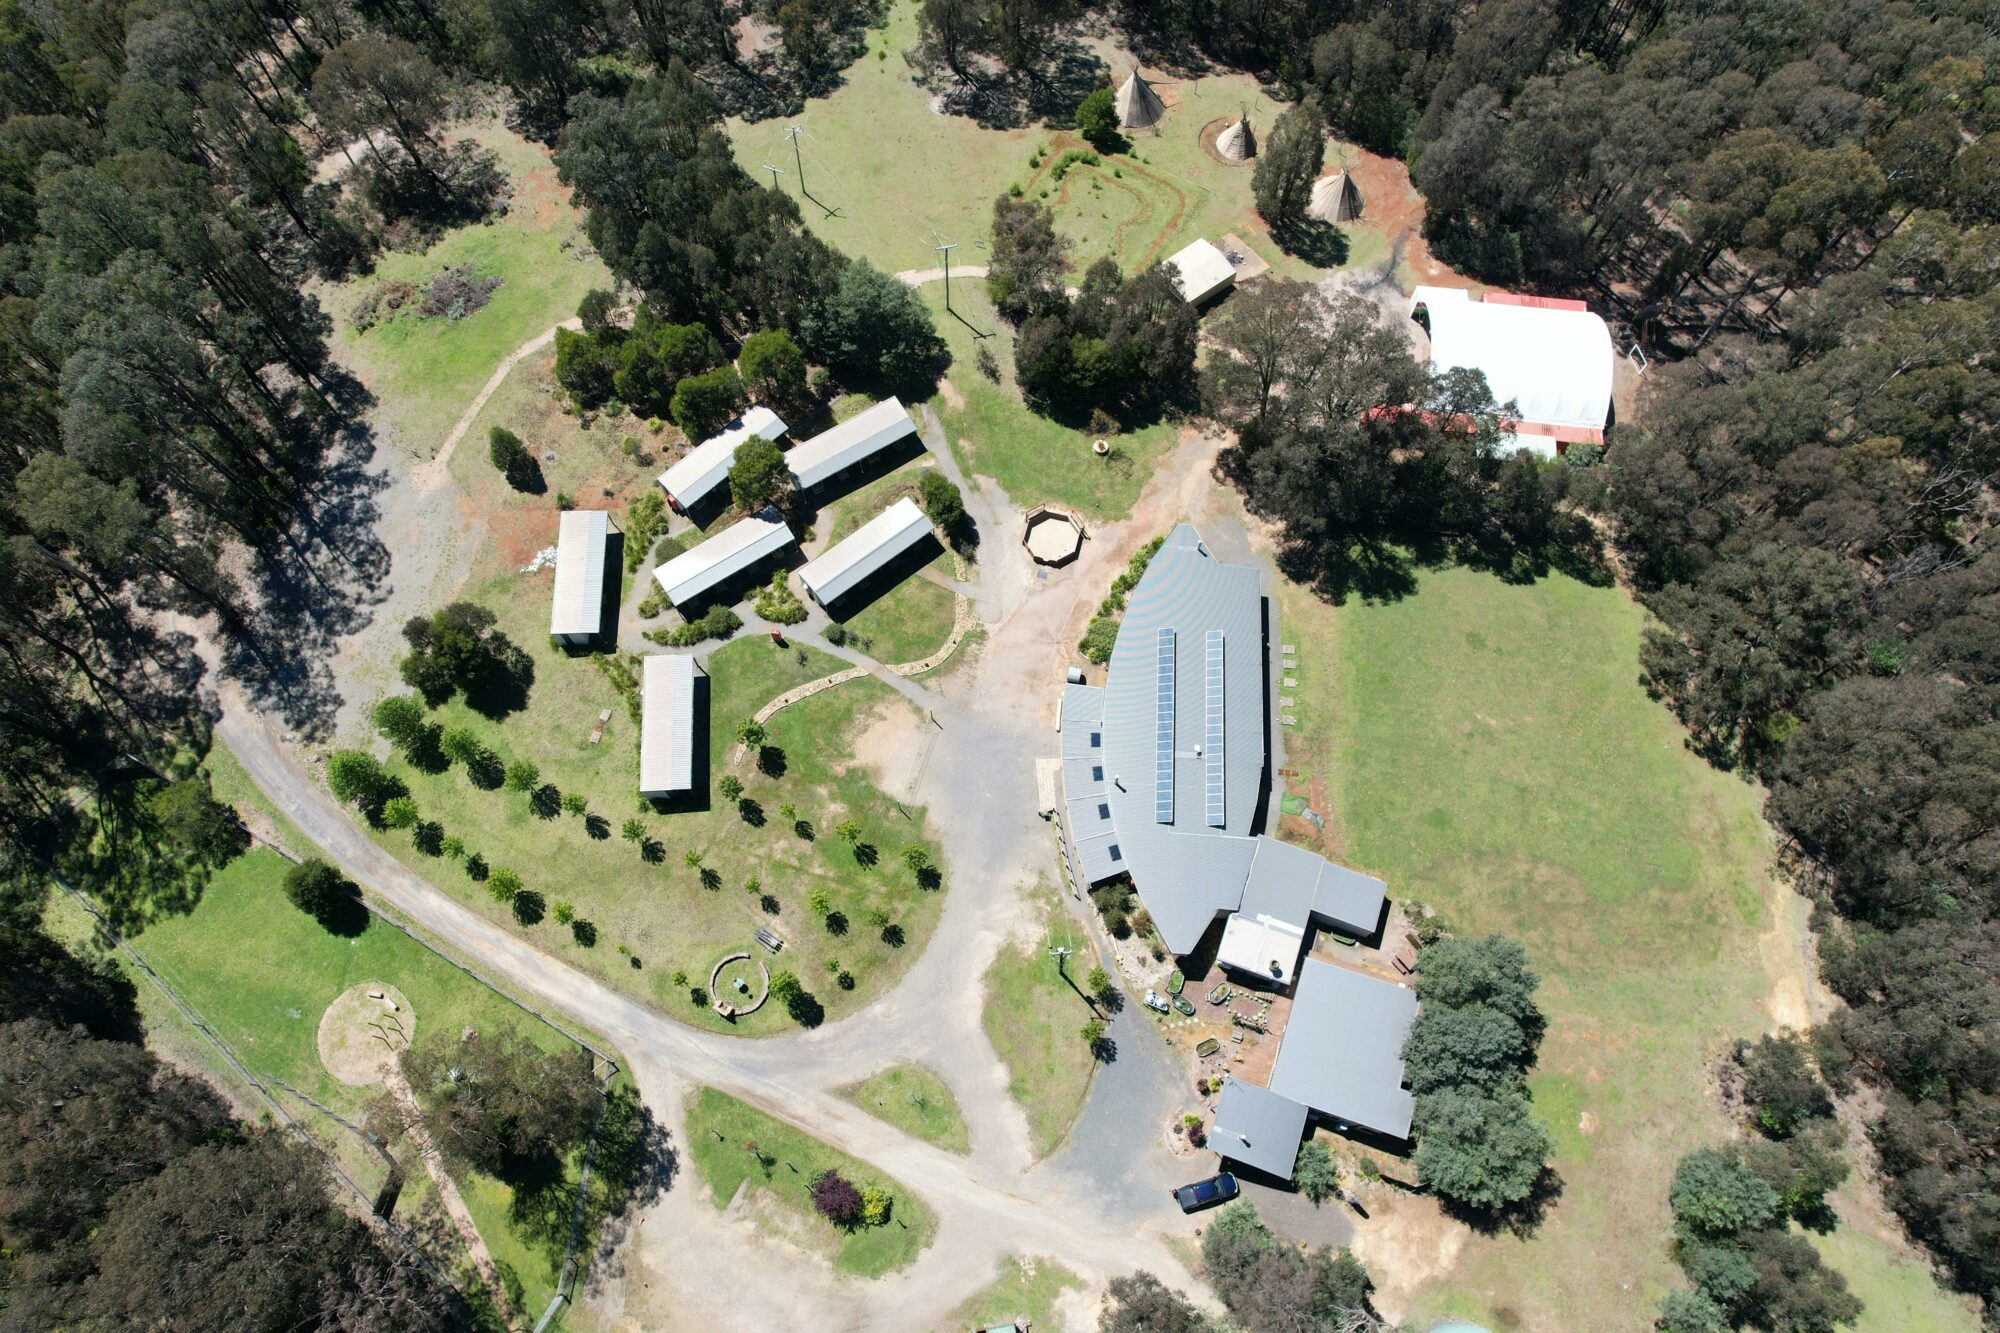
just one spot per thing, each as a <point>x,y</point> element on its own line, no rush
<point>1206,1193</point>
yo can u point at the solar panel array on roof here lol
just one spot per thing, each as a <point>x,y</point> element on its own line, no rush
<point>1163,732</point>
<point>1212,747</point>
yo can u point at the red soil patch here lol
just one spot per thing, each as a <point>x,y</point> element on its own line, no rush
<point>1392,206</point>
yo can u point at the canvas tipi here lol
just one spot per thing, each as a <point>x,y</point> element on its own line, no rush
<point>1334,198</point>
<point>1236,142</point>
<point>1138,105</point>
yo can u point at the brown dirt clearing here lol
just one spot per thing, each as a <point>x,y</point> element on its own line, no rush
<point>363,1031</point>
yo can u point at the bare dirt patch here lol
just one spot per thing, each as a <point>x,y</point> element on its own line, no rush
<point>362,1032</point>
<point>952,396</point>
<point>1407,1243</point>
<point>888,742</point>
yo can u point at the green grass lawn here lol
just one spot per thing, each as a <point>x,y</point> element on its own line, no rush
<point>1486,748</point>
<point>658,919</point>
<point>1027,1288</point>
<point>260,972</point>
<point>426,372</point>
<point>1896,1288</point>
<point>916,1101</point>
<point>1033,458</point>
<point>1033,1017</point>
<point>720,1132</point>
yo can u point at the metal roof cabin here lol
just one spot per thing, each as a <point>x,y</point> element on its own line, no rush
<point>697,473</point>
<point>1258,1128</point>
<point>866,551</point>
<point>666,725</point>
<point>578,611</point>
<point>832,452</point>
<point>1200,271</point>
<point>692,575</point>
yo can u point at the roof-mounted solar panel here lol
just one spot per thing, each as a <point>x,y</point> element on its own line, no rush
<point>1163,731</point>
<point>1212,749</point>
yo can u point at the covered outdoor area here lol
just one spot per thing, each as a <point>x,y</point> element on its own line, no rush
<point>1053,536</point>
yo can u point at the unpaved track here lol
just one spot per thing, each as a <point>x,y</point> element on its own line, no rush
<point>432,473</point>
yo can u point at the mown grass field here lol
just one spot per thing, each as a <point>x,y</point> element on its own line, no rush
<point>1896,1288</point>
<point>720,1133</point>
<point>424,373</point>
<point>916,1101</point>
<point>1034,1017</point>
<point>1026,1289</point>
<point>261,973</point>
<point>1486,748</point>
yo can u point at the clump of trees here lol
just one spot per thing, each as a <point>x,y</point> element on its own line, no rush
<point>943,504</point>
<point>1266,1284</point>
<point>1121,350</point>
<point>1479,1145</point>
<point>456,650</point>
<point>497,1102</point>
<point>1352,447</point>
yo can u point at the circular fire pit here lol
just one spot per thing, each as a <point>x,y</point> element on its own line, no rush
<point>1053,536</point>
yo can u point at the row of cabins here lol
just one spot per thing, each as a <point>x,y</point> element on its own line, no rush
<point>729,562</point>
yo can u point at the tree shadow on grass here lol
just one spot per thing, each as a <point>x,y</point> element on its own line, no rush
<point>771,761</point>
<point>1520,1220</point>
<point>502,687</point>
<point>597,827</point>
<point>750,812</point>
<point>1319,243</point>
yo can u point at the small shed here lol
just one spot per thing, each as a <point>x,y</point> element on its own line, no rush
<point>696,474</point>
<point>694,576</point>
<point>866,551</point>
<point>667,725</point>
<point>578,612</point>
<point>830,453</point>
<point>1200,271</point>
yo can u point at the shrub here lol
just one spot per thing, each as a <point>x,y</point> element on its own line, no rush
<point>718,622</point>
<point>1099,639</point>
<point>573,803</point>
<point>355,778</point>
<point>399,812</point>
<point>522,775</point>
<point>563,911</point>
<point>456,293</point>
<point>454,847</point>
<point>1074,157</point>
<point>942,501</point>
<point>1097,121</point>
<point>875,1205</point>
<point>731,787</point>
<point>1313,1171</point>
<point>512,460</point>
<point>318,890</point>
<point>503,884</point>
<point>836,1199</point>
<point>777,603</point>
<point>645,519</point>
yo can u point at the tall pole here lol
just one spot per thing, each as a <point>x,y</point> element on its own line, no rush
<point>793,134</point>
<point>774,174</point>
<point>945,248</point>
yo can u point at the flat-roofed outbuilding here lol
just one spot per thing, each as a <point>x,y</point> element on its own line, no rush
<point>577,613</point>
<point>699,575</point>
<point>695,475</point>
<point>854,441</point>
<point>667,725</point>
<point>866,552</point>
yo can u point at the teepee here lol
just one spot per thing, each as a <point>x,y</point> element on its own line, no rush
<point>1138,105</point>
<point>1236,142</point>
<point>1334,198</point>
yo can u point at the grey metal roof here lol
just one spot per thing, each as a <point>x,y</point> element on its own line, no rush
<point>1258,1128</point>
<point>1342,1050</point>
<point>1186,870</point>
<point>1296,885</point>
<point>851,441</point>
<point>704,467</point>
<point>865,551</point>
<point>723,556</point>
<point>579,599</point>
<point>666,725</point>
